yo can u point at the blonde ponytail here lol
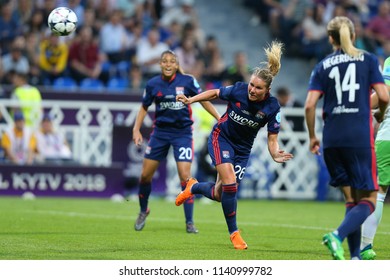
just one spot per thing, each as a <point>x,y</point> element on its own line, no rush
<point>273,64</point>
<point>342,31</point>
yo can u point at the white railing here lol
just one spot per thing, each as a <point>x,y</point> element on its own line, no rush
<point>90,136</point>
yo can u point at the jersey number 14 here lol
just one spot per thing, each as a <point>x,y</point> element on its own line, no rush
<point>348,84</point>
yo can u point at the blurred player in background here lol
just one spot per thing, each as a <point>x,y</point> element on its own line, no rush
<point>250,107</point>
<point>172,127</point>
<point>29,99</point>
<point>382,149</point>
<point>345,79</point>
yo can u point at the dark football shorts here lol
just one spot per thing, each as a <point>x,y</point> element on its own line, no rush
<point>162,139</point>
<point>355,167</point>
<point>221,151</point>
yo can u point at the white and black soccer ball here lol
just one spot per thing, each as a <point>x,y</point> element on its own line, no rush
<point>62,21</point>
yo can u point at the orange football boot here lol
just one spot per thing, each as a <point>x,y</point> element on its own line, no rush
<point>186,194</point>
<point>237,241</point>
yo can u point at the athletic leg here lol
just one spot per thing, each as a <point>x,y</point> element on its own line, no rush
<point>229,203</point>
<point>382,149</point>
<point>184,170</point>
<point>370,226</point>
<point>145,187</point>
<point>354,237</point>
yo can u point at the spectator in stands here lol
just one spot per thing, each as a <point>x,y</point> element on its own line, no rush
<point>9,25</point>
<point>36,23</point>
<point>183,14</point>
<point>129,8</point>
<point>314,39</point>
<point>114,41</point>
<point>191,29</point>
<point>53,57</point>
<point>78,8</point>
<point>148,53</point>
<point>285,23</point>
<point>85,58</point>
<point>213,61</point>
<point>377,28</point>
<point>46,7</point>
<point>29,98</point>
<point>90,21</point>
<point>32,54</point>
<point>51,145</point>
<point>135,33</point>
<point>24,11</point>
<point>190,57</point>
<point>174,35</point>
<point>238,71</point>
<point>263,8</point>
<point>147,15</point>
<point>18,142</point>
<point>104,10</point>
<point>287,100</point>
<point>137,82</point>
<point>14,61</point>
<point>362,41</point>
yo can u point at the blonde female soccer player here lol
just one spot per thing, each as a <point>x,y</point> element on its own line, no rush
<point>250,107</point>
<point>345,79</point>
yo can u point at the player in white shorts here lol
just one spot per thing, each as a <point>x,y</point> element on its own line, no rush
<point>382,150</point>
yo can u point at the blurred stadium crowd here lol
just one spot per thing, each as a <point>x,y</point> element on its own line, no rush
<point>118,42</point>
<point>301,24</point>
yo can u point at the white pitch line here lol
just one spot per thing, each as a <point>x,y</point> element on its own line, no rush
<point>131,218</point>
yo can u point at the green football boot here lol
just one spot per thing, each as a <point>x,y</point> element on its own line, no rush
<point>334,245</point>
<point>368,253</point>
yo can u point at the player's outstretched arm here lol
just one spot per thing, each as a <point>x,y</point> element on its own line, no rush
<point>204,96</point>
<point>273,148</point>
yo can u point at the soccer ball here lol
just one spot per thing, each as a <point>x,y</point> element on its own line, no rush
<point>62,21</point>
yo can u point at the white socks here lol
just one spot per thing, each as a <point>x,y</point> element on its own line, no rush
<point>370,225</point>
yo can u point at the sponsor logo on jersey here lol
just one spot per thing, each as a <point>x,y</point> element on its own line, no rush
<point>159,94</point>
<point>172,105</point>
<point>245,112</point>
<point>260,115</point>
<point>225,154</point>
<point>342,110</point>
<point>242,120</point>
<point>179,90</point>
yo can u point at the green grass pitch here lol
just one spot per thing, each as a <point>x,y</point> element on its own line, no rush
<point>99,229</point>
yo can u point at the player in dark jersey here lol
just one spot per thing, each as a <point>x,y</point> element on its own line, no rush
<point>250,107</point>
<point>345,79</point>
<point>172,127</point>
